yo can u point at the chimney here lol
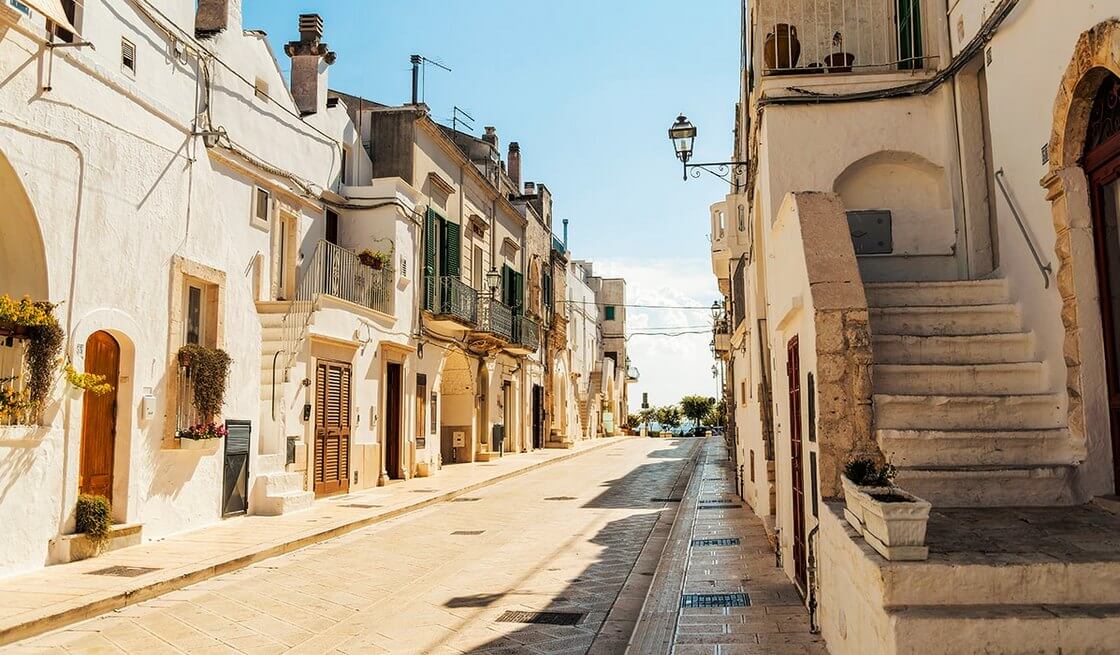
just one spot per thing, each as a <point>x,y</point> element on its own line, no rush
<point>530,189</point>
<point>310,59</point>
<point>215,16</point>
<point>515,163</point>
<point>491,136</point>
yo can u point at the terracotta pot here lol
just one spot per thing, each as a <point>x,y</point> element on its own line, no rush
<point>782,48</point>
<point>839,62</point>
<point>10,329</point>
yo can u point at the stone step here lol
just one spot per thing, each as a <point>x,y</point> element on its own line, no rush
<point>279,482</point>
<point>944,321</point>
<point>990,486</point>
<point>953,630</point>
<point>271,320</point>
<point>267,464</point>
<point>285,503</point>
<point>909,294</point>
<point>978,412</point>
<point>966,349</point>
<point>943,448</point>
<point>268,349</point>
<point>951,379</point>
<point>272,332</point>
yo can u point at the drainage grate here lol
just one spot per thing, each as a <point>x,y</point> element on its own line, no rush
<point>732,541</point>
<point>464,500</point>
<point>561,498</point>
<point>468,532</point>
<point>719,506</point>
<point>675,499</point>
<point>359,505</point>
<point>710,501</point>
<point>715,600</point>
<point>423,491</point>
<point>542,618</point>
<point>123,571</point>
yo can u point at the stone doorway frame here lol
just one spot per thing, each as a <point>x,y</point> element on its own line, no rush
<point>1096,54</point>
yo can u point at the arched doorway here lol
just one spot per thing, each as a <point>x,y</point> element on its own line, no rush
<point>1102,167</point>
<point>457,411</point>
<point>99,417</point>
<point>23,262</point>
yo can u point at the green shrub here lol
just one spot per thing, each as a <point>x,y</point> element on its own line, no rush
<point>94,516</point>
<point>867,473</point>
<point>209,370</point>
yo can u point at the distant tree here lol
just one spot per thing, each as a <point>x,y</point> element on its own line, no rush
<point>696,407</point>
<point>717,415</point>
<point>669,416</point>
<point>647,415</point>
<point>633,420</point>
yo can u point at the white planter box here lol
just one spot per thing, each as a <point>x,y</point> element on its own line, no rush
<point>74,547</point>
<point>855,497</point>
<point>897,528</point>
<point>203,445</point>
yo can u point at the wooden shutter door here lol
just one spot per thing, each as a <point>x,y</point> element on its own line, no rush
<point>99,418</point>
<point>332,427</point>
<point>430,251</point>
<point>452,247</point>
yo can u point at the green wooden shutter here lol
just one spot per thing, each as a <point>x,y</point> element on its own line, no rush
<point>518,293</point>
<point>546,290</point>
<point>430,245</point>
<point>452,247</point>
<point>507,285</point>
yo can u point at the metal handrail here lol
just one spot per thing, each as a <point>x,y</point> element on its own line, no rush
<point>495,317</point>
<point>526,332</point>
<point>1046,269</point>
<point>456,298</point>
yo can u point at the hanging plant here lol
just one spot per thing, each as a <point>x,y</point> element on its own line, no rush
<point>375,259</point>
<point>87,381</point>
<point>35,322</point>
<point>209,368</point>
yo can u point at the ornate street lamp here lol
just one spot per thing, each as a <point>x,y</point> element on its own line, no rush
<point>493,281</point>
<point>683,136</point>
<point>717,310</point>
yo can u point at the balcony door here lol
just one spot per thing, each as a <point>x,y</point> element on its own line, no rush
<point>797,469</point>
<point>1102,165</point>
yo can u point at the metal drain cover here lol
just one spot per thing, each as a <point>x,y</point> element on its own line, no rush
<point>468,532</point>
<point>715,600</point>
<point>561,498</point>
<point>464,500</point>
<point>719,506</point>
<point>359,505</point>
<point>675,499</point>
<point>124,571</point>
<point>423,491</point>
<point>541,618</point>
<point>733,541</point>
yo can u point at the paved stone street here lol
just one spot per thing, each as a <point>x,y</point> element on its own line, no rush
<point>565,538</point>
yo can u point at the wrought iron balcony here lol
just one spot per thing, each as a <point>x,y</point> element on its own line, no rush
<point>336,271</point>
<point>526,332</point>
<point>496,318</point>
<point>455,299</point>
<point>558,245</point>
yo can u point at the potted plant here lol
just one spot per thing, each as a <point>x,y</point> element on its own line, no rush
<point>205,431</point>
<point>209,371</point>
<point>894,524</point>
<point>374,259</point>
<point>862,477</point>
<point>35,322</point>
<point>81,382</point>
<point>94,517</point>
<point>782,48</point>
<point>839,61</point>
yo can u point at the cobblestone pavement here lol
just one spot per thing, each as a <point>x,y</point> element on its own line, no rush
<point>562,539</point>
<point>775,622</point>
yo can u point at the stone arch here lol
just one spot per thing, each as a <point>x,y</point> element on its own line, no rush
<point>913,188</point>
<point>1096,54</point>
<point>23,261</point>
<point>456,397</point>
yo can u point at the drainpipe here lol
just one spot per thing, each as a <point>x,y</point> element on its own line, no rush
<point>814,627</point>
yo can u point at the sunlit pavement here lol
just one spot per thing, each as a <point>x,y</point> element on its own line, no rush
<point>564,538</point>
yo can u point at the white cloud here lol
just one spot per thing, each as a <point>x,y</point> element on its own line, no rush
<point>670,367</point>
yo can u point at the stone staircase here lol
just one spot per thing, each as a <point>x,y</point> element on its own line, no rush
<point>275,490</point>
<point>962,405</point>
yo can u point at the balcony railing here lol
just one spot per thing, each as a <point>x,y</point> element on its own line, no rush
<point>334,271</point>
<point>495,318</point>
<point>840,36</point>
<point>454,298</point>
<point>558,245</point>
<point>526,332</point>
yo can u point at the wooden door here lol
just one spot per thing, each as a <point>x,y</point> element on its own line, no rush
<point>1102,165</point>
<point>538,416</point>
<point>393,421</point>
<point>332,427</point>
<point>99,418</point>
<point>797,471</point>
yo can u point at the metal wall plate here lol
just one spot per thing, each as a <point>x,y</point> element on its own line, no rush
<point>871,231</point>
<point>542,618</point>
<point>715,600</point>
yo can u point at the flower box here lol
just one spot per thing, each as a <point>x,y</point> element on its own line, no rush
<point>894,524</point>
<point>855,496</point>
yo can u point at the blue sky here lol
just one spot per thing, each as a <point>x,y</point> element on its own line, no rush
<point>588,89</point>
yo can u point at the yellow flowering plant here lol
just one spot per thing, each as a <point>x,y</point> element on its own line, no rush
<point>87,381</point>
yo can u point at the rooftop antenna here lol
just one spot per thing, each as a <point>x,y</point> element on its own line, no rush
<point>420,67</point>
<point>455,119</point>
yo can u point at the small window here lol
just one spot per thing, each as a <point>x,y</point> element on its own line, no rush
<point>260,87</point>
<point>332,227</point>
<point>20,7</point>
<point>609,312</point>
<point>262,205</point>
<point>128,56</point>
<point>194,314</point>
<point>344,172</point>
